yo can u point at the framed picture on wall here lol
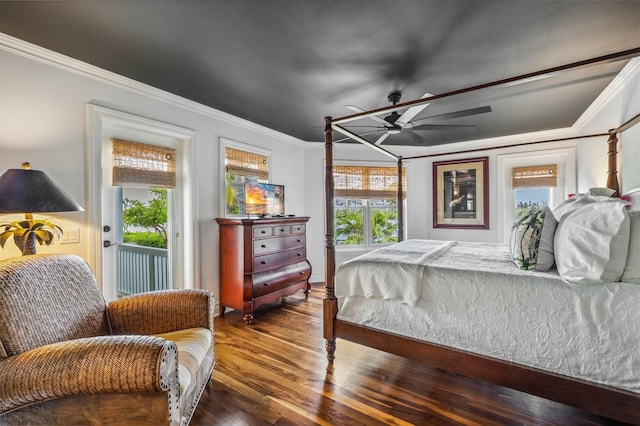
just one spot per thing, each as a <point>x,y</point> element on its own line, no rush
<point>461,193</point>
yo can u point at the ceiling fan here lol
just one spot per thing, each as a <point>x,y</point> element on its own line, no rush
<point>395,123</point>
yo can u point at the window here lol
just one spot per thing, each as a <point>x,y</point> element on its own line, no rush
<point>564,158</point>
<point>242,166</point>
<point>366,209</point>
<point>533,187</point>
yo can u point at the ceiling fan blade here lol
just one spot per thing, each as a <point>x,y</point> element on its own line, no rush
<point>459,114</point>
<point>409,114</point>
<point>443,127</point>
<point>381,138</point>
<point>374,117</point>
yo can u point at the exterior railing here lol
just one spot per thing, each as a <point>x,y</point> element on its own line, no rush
<point>141,269</point>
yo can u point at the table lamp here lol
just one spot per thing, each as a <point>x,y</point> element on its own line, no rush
<point>31,191</point>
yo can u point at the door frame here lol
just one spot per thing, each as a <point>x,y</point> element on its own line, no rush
<point>103,124</point>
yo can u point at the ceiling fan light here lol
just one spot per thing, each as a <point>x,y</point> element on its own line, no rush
<point>394,131</point>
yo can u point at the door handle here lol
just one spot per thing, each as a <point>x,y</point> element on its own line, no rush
<point>108,243</point>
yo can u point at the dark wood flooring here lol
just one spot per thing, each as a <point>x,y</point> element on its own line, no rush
<point>274,372</point>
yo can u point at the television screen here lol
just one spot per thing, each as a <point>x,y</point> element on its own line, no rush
<point>264,199</point>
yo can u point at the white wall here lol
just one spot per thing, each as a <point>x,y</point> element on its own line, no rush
<point>42,120</point>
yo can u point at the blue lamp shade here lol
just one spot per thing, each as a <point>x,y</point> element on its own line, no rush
<point>32,191</point>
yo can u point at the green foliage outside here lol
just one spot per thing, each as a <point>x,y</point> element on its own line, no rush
<point>523,208</point>
<point>153,216</point>
<point>146,239</point>
<point>231,194</point>
<point>350,226</point>
<point>384,225</point>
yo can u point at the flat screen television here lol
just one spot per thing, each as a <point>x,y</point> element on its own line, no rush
<point>263,199</point>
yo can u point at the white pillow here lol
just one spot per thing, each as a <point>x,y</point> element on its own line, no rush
<point>576,202</point>
<point>632,268</point>
<point>545,249</point>
<point>592,240</point>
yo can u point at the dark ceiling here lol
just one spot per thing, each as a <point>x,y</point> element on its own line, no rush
<point>286,64</point>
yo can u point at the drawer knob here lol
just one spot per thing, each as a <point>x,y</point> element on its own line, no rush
<point>299,241</point>
<point>299,254</point>
<point>263,245</point>
<point>281,230</point>
<point>301,273</point>
<point>263,232</point>
<point>266,284</point>
<point>264,262</point>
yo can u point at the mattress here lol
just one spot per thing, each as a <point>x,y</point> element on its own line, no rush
<point>471,296</point>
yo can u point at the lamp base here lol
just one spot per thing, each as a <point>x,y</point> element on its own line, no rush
<point>27,245</point>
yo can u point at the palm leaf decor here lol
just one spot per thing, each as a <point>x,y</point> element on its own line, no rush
<point>27,232</point>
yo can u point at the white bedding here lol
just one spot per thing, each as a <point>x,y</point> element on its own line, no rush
<point>471,296</point>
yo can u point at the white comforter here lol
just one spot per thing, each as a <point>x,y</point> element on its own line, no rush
<point>471,296</point>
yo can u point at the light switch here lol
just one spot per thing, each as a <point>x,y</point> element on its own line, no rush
<point>70,236</point>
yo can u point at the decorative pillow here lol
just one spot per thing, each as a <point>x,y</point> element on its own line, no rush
<point>525,239</point>
<point>545,249</point>
<point>592,240</point>
<point>632,269</point>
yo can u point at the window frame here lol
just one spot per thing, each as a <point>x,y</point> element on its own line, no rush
<point>367,208</point>
<point>224,143</point>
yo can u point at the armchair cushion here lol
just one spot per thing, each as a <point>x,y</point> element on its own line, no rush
<point>193,345</point>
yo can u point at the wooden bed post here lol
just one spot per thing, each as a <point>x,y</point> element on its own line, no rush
<point>400,205</point>
<point>330,304</point>
<point>612,154</point>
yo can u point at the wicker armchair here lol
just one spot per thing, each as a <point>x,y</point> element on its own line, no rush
<point>67,357</point>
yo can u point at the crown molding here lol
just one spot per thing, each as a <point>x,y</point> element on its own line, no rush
<point>613,89</point>
<point>49,57</point>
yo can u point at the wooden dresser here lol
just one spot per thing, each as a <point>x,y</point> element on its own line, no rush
<point>261,260</point>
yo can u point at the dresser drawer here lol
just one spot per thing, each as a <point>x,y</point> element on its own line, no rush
<point>282,230</point>
<point>273,260</point>
<point>266,282</point>
<point>271,245</point>
<point>262,231</point>
<point>298,229</point>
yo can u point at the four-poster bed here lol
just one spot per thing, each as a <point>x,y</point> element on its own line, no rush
<point>613,401</point>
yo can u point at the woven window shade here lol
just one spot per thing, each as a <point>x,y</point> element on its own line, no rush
<point>368,182</point>
<point>142,165</point>
<point>534,176</point>
<point>244,163</point>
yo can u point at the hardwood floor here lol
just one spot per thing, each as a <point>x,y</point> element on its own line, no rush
<point>275,372</point>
